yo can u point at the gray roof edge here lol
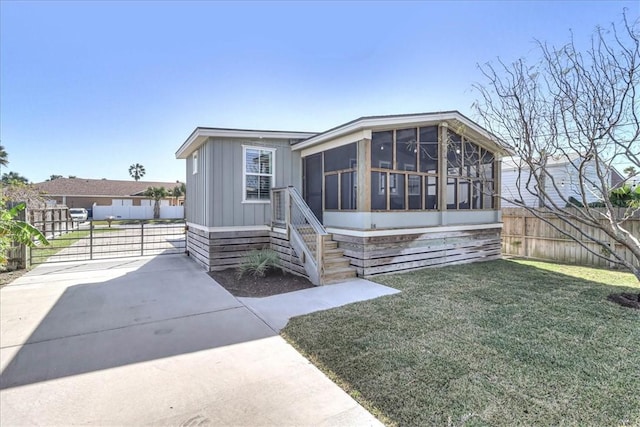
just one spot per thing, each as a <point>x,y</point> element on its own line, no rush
<point>383,116</point>
<point>362,122</point>
<point>196,137</point>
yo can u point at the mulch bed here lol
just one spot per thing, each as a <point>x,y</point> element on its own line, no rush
<point>626,299</point>
<point>7,277</point>
<point>274,283</point>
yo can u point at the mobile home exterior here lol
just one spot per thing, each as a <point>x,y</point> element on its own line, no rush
<point>385,193</point>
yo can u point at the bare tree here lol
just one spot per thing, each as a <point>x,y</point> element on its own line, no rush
<point>581,107</point>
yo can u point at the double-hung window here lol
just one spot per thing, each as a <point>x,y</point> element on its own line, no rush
<point>258,173</point>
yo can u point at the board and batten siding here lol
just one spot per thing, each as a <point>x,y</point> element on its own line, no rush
<point>214,193</point>
<point>199,186</point>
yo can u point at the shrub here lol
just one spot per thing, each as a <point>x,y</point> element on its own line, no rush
<point>259,262</point>
<point>13,229</point>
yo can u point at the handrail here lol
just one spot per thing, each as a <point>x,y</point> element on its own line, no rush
<point>306,211</point>
<point>305,233</point>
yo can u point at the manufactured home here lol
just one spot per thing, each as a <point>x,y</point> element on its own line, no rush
<point>375,195</point>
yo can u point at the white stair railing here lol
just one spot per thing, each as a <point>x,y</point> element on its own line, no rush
<point>306,234</point>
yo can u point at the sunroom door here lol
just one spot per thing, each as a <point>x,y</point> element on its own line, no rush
<point>312,191</point>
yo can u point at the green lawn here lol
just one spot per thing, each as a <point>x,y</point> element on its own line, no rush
<point>137,221</point>
<point>495,343</point>
<point>41,253</point>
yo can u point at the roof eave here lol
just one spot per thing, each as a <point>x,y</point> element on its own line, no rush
<point>405,119</point>
<point>200,135</point>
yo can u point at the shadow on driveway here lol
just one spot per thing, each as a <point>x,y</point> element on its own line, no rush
<point>138,311</point>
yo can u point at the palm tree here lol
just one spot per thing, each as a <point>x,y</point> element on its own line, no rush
<point>13,177</point>
<point>157,194</point>
<point>4,157</point>
<point>137,171</point>
<point>179,191</point>
<point>630,171</point>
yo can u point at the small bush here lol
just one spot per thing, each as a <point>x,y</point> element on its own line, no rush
<point>259,262</point>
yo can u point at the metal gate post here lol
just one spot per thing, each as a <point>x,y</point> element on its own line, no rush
<point>142,239</point>
<point>90,239</point>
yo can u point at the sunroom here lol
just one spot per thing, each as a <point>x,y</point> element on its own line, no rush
<point>407,191</point>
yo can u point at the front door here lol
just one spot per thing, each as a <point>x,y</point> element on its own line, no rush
<point>312,172</point>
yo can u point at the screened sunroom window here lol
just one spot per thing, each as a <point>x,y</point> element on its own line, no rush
<point>470,170</point>
<point>258,173</point>
<point>406,150</point>
<point>429,149</point>
<point>404,169</point>
<point>382,149</point>
<point>340,177</point>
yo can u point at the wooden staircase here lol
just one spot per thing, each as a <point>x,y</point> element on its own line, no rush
<point>318,253</point>
<point>335,266</point>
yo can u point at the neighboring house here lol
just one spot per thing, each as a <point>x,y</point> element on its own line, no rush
<point>563,182</point>
<point>85,193</point>
<point>374,195</point>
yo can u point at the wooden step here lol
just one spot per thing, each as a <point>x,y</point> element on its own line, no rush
<point>339,275</point>
<point>336,262</point>
<point>333,253</point>
<point>330,244</point>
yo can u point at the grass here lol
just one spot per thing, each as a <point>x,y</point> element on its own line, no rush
<point>41,253</point>
<point>138,221</point>
<point>495,343</point>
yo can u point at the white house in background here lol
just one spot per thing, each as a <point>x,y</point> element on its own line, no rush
<point>565,182</point>
<point>125,209</point>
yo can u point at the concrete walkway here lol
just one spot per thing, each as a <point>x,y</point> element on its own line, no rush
<point>276,310</point>
<point>153,341</point>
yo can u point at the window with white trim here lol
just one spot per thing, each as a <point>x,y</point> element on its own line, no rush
<point>258,173</point>
<point>194,162</point>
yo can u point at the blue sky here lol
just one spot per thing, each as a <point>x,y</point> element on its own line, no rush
<point>88,88</point>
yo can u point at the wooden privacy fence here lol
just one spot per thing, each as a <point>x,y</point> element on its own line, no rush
<point>51,221</point>
<point>524,235</point>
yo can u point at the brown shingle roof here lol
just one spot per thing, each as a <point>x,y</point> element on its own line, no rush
<point>98,187</point>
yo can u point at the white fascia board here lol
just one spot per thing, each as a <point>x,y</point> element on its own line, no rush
<point>393,121</point>
<point>338,142</point>
<point>200,135</point>
<point>402,231</point>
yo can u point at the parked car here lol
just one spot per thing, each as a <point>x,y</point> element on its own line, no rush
<point>78,214</point>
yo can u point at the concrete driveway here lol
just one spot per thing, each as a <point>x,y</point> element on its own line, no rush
<point>151,341</point>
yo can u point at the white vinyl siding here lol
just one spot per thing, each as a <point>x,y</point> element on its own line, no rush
<point>516,185</point>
